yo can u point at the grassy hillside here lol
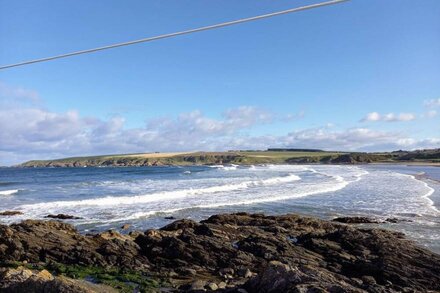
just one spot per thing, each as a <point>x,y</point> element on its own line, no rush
<point>241,157</point>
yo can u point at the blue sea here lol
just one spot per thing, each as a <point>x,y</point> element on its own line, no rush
<point>107,198</point>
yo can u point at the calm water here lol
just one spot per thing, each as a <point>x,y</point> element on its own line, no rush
<point>142,196</point>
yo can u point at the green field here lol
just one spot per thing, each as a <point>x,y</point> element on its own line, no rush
<point>240,157</point>
<point>286,155</point>
<point>193,158</point>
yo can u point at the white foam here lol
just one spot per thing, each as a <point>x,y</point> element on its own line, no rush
<point>430,191</point>
<point>230,168</point>
<point>166,195</point>
<point>325,188</point>
<point>8,192</point>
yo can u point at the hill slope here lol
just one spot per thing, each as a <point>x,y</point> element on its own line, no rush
<point>274,156</point>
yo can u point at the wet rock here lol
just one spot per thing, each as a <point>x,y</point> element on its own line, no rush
<point>323,257</point>
<point>186,272</point>
<point>212,286</point>
<point>276,277</point>
<point>63,217</point>
<point>396,220</point>
<point>221,285</point>
<point>198,285</point>
<point>357,220</point>
<point>25,280</point>
<point>244,272</point>
<point>11,213</point>
<point>125,226</point>
<point>226,273</point>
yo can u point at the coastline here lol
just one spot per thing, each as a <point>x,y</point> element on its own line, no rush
<point>270,156</point>
<point>224,253</point>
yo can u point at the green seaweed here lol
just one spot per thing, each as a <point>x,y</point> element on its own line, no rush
<point>120,279</point>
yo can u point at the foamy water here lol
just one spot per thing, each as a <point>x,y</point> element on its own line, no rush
<point>109,197</point>
<point>8,192</point>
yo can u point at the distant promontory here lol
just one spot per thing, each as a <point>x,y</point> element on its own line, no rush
<point>247,157</point>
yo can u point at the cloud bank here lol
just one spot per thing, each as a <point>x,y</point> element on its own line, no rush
<point>36,134</point>
<point>390,117</point>
<point>29,131</point>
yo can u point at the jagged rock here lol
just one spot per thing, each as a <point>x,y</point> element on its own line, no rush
<point>396,220</point>
<point>227,272</point>
<point>212,286</point>
<point>11,213</point>
<point>244,272</point>
<point>357,220</point>
<point>276,277</point>
<point>288,252</point>
<point>25,280</point>
<point>63,217</point>
<point>221,285</point>
<point>198,285</point>
<point>125,226</point>
<point>44,241</point>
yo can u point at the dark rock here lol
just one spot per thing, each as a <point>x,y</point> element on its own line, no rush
<point>396,220</point>
<point>25,280</point>
<point>125,226</point>
<point>244,272</point>
<point>63,217</point>
<point>276,277</point>
<point>10,213</point>
<point>324,256</point>
<point>227,273</point>
<point>169,218</point>
<point>356,220</point>
<point>198,285</point>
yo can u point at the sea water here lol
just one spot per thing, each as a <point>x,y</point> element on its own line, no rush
<point>144,197</point>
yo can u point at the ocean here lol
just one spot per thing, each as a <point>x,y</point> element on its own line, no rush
<point>151,197</point>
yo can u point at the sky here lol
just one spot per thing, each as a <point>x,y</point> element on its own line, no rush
<point>357,76</point>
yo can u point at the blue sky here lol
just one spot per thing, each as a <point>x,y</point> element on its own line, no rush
<point>363,75</point>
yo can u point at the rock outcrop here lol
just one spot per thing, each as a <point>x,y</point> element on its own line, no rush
<point>10,213</point>
<point>239,253</point>
<point>25,280</point>
<point>62,217</point>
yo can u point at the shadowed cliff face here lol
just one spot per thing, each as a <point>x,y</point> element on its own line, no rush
<point>225,252</point>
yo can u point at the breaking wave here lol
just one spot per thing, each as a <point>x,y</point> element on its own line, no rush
<point>8,192</point>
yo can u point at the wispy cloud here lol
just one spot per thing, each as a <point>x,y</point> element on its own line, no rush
<point>28,131</point>
<point>9,93</point>
<point>432,103</point>
<point>430,114</point>
<point>38,134</point>
<point>390,117</point>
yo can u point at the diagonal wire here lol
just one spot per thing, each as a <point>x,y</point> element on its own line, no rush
<point>170,35</point>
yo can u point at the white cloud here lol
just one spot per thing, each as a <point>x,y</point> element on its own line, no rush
<point>293,117</point>
<point>432,103</point>
<point>28,131</point>
<point>9,93</point>
<point>373,116</point>
<point>39,134</point>
<point>430,114</point>
<point>390,117</point>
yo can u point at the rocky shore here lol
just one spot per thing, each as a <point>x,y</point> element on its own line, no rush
<point>225,253</point>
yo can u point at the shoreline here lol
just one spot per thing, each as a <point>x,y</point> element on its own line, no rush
<point>427,164</point>
<point>224,253</point>
<point>246,157</point>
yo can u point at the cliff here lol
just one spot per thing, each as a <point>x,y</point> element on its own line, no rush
<point>273,156</point>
